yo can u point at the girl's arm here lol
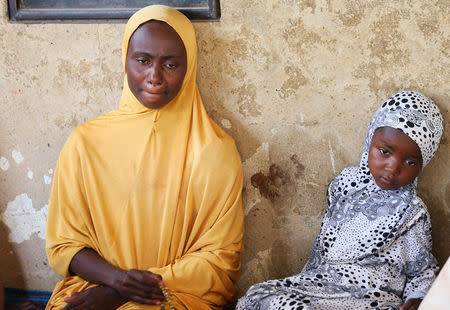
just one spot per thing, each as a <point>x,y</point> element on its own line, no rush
<point>411,304</point>
<point>420,265</point>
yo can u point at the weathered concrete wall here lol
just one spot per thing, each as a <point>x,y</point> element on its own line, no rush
<point>294,82</point>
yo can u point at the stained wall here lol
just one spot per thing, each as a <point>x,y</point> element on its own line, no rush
<point>294,82</point>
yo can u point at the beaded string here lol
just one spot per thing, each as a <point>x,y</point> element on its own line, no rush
<point>168,298</point>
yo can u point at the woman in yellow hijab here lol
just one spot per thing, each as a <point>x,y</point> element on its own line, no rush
<point>149,195</point>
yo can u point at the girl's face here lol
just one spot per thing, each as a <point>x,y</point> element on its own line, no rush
<point>156,64</point>
<point>394,158</point>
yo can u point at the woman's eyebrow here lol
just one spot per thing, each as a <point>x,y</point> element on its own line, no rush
<point>142,53</point>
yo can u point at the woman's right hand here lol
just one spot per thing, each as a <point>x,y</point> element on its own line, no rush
<point>140,286</point>
<point>95,298</point>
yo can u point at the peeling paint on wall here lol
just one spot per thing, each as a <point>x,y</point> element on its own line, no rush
<point>17,156</point>
<point>47,179</point>
<point>23,220</point>
<point>332,157</point>
<point>226,123</point>
<point>4,163</point>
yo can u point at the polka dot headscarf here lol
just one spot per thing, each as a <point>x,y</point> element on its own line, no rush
<point>413,113</point>
<point>416,115</point>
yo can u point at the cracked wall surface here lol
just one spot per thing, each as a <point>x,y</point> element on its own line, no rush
<point>294,82</point>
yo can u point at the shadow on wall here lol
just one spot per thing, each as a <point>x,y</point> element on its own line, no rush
<point>10,265</point>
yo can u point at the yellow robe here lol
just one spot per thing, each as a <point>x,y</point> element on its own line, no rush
<point>156,190</point>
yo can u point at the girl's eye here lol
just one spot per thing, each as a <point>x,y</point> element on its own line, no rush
<point>171,65</point>
<point>384,152</point>
<point>411,163</point>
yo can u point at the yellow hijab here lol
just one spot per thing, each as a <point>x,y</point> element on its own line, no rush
<point>156,190</point>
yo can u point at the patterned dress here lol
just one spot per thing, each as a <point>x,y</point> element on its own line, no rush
<point>374,247</point>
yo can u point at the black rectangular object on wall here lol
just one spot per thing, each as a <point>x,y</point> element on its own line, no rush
<point>92,10</point>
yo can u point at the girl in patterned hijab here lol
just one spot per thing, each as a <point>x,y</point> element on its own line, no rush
<point>374,246</point>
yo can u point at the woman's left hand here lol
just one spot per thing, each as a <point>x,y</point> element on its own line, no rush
<point>25,305</point>
<point>95,298</point>
<point>411,304</point>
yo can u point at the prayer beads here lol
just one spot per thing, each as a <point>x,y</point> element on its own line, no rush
<point>168,298</point>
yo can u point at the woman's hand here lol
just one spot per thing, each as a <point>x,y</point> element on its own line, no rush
<point>140,286</point>
<point>411,304</point>
<point>25,305</point>
<point>95,298</point>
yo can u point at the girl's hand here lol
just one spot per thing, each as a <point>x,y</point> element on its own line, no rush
<point>140,286</point>
<point>95,298</point>
<point>411,304</point>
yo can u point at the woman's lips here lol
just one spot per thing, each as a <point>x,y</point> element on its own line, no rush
<point>155,92</point>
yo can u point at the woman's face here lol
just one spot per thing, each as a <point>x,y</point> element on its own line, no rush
<point>156,64</point>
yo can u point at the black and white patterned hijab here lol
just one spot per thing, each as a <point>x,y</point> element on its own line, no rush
<point>355,199</point>
<point>416,115</point>
<point>413,113</point>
